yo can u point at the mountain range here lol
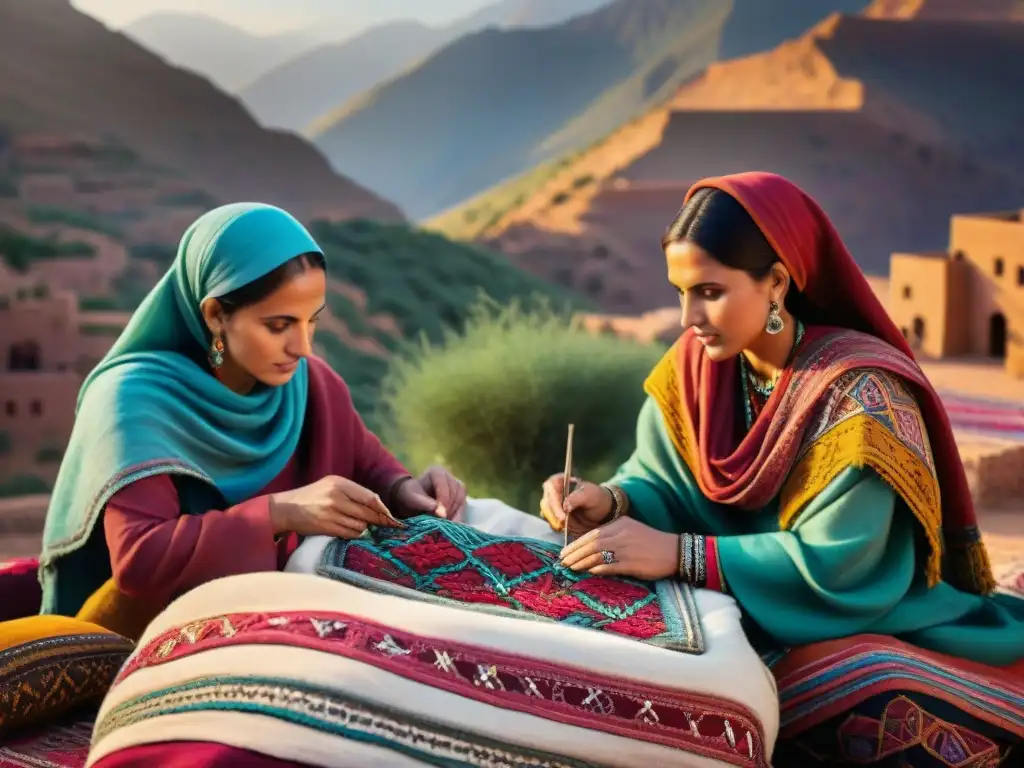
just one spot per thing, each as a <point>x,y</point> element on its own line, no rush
<point>64,73</point>
<point>229,56</point>
<point>894,119</point>
<point>296,93</point>
<point>494,103</point>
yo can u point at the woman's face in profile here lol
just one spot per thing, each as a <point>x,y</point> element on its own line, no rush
<point>268,339</point>
<point>727,308</point>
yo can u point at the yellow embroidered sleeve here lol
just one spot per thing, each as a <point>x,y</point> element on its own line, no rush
<point>871,419</point>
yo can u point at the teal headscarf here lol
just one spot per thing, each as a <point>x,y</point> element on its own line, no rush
<point>152,407</point>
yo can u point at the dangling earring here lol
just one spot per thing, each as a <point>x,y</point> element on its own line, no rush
<point>775,324</point>
<point>216,353</point>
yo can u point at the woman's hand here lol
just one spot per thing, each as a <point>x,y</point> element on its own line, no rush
<point>587,506</point>
<point>435,492</point>
<point>635,549</point>
<point>332,506</point>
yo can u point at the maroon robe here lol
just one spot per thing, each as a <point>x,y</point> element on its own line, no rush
<point>157,552</point>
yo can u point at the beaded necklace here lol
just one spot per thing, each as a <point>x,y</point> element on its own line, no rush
<point>757,391</point>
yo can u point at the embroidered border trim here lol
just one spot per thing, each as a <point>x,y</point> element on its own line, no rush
<point>122,479</point>
<point>696,723</point>
<point>676,600</point>
<point>332,713</point>
<point>63,648</point>
<point>826,687</point>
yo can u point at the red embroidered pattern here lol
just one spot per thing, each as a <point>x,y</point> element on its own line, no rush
<point>441,561</point>
<point>697,723</point>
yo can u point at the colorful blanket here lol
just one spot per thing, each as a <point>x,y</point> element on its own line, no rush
<point>269,663</point>
<point>874,700</point>
<point>442,561</point>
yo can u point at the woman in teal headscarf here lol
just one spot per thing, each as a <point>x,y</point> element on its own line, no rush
<point>209,437</point>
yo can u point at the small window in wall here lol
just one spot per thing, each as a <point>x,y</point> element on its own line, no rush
<point>997,267</point>
<point>36,408</point>
<point>958,256</point>
<point>1020,275</point>
<point>11,408</point>
<point>907,292</point>
<point>917,332</point>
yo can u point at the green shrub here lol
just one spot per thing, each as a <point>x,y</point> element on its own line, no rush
<point>424,280</point>
<point>97,304</point>
<point>50,454</point>
<point>493,403</point>
<point>23,485</point>
<point>48,214</point>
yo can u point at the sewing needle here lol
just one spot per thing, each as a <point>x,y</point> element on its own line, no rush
<point>566,480</point>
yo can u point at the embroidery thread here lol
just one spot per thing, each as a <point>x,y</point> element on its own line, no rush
<point>441,561</point>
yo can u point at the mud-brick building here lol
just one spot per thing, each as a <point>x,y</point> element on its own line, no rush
<point>968,300</point>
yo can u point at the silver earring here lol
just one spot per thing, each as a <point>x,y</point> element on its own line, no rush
<point>775,324</point>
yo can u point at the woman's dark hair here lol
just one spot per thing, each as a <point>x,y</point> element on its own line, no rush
<point>261,287</point>
<point>716,222</point>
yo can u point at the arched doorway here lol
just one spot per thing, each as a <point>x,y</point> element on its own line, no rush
<point>23,356</point>
<point>997,335</point>
<point>917,332</point>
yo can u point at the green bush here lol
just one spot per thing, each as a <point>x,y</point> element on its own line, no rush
<point>23,485</point>
<point>493,404</point>
<point>424,280</point>
<point>48,214</point>
<point>50,454</point>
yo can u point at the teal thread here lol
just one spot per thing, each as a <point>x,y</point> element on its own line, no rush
<point>146,707</point>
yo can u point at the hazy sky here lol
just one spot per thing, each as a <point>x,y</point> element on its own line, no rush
<point>269,16</point>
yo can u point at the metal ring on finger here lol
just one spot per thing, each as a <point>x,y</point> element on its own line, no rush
<point>608,557</point>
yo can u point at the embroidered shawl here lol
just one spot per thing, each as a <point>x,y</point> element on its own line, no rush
<point>796,447</point>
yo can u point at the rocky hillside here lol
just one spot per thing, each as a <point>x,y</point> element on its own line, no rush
<point>894,124</point>
<point>948,10</point>
<point>63,72</point>
<point>296,93</point>
<point>755,26</point>
<point>492,104</point>
<point>73,268</point>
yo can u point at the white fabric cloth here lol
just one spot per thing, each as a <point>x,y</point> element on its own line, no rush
<point>729,669</point>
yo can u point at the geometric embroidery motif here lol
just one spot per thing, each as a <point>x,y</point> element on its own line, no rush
<point>43,679</point>
<point>697,723</point>
<point>437,560</point>
<point>905,725</point>
<point>883,397</point>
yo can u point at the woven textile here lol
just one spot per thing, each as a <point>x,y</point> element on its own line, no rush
<point>52,665</point>
<point>873,700</point>
<point>902,730</point>
<point>443,561</point>
<point>59,745</point>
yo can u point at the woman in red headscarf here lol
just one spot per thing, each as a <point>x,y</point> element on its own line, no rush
<point>791,451</point>
<point>793,454</point>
